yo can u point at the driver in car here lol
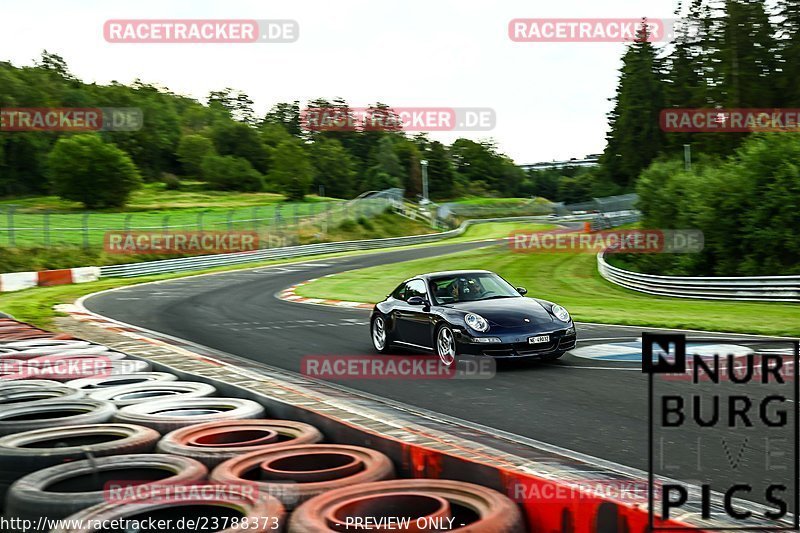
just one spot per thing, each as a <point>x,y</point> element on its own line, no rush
<point>466,289</point>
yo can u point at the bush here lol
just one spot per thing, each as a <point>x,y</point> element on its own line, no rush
<point>348,225</point>
<point>191,151</point>
<point>749,230</point>
<point>231,174</point>
<point>365,223</point>
<point>171,181</point>
<point>86,169</point>
<point>291,170</point>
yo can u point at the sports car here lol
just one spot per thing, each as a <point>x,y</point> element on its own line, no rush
<point>473,312</point>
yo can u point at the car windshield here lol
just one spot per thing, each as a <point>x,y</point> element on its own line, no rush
<point>471,287</point>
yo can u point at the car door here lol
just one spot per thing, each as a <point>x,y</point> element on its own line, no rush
<point>413,321</point>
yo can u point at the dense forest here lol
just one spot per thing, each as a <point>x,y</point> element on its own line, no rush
<point>224,143</point>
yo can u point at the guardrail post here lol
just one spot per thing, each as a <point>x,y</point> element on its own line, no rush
<point>200,216</point>
<point>46,228</point>
<point>86,230</point>
<point>165,224</point>
<point>127,224</point>
<point>12,239</point>
<point>230,220</point>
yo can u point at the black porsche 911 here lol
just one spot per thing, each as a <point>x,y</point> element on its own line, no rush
<point>472,312</point>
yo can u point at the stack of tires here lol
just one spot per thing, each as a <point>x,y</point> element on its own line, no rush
<point>132,444</point>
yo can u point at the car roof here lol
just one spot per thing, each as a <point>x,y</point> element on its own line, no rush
<point>445,273</point>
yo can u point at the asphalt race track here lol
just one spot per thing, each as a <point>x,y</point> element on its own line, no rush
<point>594,406</point>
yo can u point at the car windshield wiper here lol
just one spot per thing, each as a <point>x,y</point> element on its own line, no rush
<point>496,297</point>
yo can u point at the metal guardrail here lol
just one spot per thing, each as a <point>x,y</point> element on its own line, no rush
<point>185,264</point>
<point>768,288</point>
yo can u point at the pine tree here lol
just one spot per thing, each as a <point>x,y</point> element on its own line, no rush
<point>635,137</point>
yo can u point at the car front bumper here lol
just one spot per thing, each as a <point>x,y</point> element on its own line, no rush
<point>516,345</point>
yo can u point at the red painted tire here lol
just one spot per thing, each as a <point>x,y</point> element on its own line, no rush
<point>252,512</point>
<point>316,468</point>
<point>215,442</point>
<point>479,509</point>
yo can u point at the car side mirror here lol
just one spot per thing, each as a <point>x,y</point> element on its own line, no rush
<point>417,300</point>
<point>522,290</point>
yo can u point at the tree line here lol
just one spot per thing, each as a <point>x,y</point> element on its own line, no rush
<point>741,189</point>
<point>223,143</point>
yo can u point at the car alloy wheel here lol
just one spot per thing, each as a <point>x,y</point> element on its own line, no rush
<point>446,346</point>
<point>379,333</point>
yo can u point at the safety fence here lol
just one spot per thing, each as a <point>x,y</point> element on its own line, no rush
<point>276,224</point>
<point>769,288</point>
<point>185,264</point>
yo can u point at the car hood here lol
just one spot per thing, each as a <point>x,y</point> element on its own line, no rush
<point>507,312</point>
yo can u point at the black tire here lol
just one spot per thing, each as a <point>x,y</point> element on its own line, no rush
<point>168,415</point>
<point>32,382</point>
<point>120,380</point>
<point>128,366</point>
<point>23,453</point>
<point>54,413</point>
<point>453,360</point>
<point>377,320</point>
<point>148,392</point>
<point>18,392</point>
<point>256,513</point>
<point>61,490</point>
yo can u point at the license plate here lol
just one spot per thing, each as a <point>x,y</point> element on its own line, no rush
<point>539,339</point>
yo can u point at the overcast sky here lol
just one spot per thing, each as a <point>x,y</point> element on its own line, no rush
<point>551,99</point>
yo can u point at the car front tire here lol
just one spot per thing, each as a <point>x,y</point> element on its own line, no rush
<point>380,337</point>
<point>445,346</point>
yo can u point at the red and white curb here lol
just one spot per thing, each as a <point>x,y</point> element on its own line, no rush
<point>289,295</point>
<point>18,281</point>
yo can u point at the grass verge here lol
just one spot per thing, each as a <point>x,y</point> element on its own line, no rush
<point>572,281</point>
<point>36,305</point>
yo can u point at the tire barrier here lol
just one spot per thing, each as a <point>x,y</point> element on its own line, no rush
<point>24,392</point>
<point>29,451</point>
<point>215,442</point>
<point>120,380</point>
<point>325,484</point>
<point>296,473</point>
<point>249,512</point>
<point>148,392</point>
<point>168,415</point>
<point>16,418</point>
<point>427,504</point>
<point>61,490</point>
<point>32,382</point>
<point>126,366</point>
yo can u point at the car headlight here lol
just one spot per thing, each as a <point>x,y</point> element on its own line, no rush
<point>476,322</point>
<point>560,313</point>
